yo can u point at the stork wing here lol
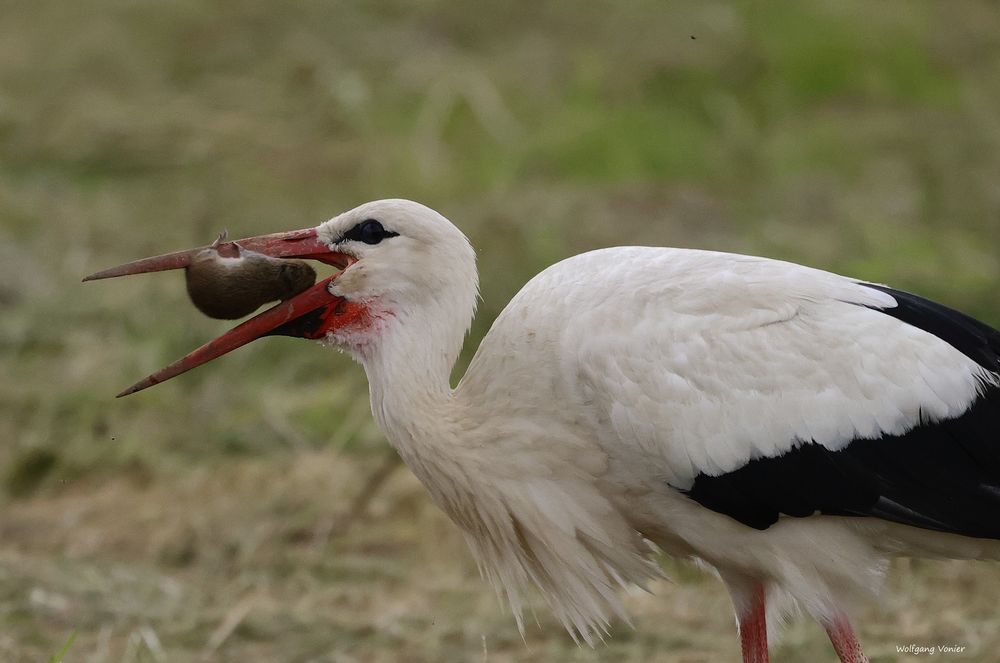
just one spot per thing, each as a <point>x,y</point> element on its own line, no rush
<point>760,388</point>
<point>940,474</point>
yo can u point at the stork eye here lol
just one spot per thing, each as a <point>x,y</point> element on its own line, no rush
<point>369,231</point>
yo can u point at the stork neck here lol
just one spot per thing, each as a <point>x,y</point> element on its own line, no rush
<point>408,375</point>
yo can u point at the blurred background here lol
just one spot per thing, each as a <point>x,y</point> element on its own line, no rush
<point>250,511</point>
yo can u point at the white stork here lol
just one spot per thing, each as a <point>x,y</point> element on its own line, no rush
<point>791,428</point>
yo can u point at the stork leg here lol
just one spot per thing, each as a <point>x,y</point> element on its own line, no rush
<point>753,626</point>
<point>845,642</point>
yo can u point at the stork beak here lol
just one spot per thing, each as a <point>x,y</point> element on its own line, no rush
<point>293,244</point>
<point>310,314</point>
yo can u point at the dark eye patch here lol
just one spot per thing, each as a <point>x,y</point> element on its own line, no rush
<point>369,231</point>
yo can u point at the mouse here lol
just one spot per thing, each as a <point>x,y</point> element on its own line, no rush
<point>227,288</point>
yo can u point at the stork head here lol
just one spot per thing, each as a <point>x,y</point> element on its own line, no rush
<point>403,256</point>
<point>405,270</point>
<point>412,271</point>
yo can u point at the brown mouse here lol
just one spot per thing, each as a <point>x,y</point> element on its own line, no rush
<point>230,288</point>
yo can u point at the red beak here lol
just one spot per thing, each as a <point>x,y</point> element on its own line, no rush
<point>310,314</point>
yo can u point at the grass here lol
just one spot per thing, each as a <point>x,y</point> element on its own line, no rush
<point>203,519</point>
<point>59,655</point>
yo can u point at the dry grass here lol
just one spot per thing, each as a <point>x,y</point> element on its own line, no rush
<point>201,520</point>
<point>225,564</point>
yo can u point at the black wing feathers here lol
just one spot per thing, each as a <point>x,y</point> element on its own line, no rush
<point>942,476</point>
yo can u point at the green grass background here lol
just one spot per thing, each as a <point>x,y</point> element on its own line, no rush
<point>205,519</point>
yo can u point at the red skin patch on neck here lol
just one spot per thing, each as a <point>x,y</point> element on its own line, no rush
<point>341,316</point>
<point>353,325</point>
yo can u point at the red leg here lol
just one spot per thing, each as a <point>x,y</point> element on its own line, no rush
<point>753,628</point>
<point>845,643</point>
